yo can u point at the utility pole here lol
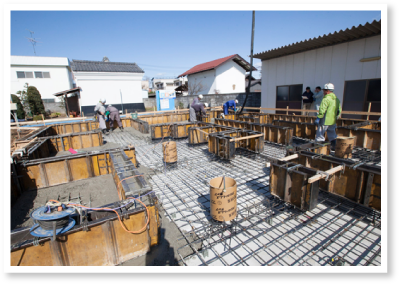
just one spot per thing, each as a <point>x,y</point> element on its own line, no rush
<point>252,55</point>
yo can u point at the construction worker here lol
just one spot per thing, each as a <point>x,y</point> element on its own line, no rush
<point>99,110</point>
<point>317,98</point>
<point>307,99</point>
<point>199,109</point>
<point>113,114</point>
<point>330,109</point>
<point>229,104</point>
<point>192,111</point>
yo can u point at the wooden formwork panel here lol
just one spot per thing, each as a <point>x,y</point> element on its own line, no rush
<point>161,131</point>
<point>292,185</point>
<point>49,173</point>
<point>104,244</point>
<point>308,130</point>
<point>357,185</point>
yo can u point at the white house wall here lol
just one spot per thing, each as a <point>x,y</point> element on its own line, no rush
<point>96,85</point>
<point>207,80</point>
<point>335,64</point>
<point>59,80</point>
<point>227,75</point>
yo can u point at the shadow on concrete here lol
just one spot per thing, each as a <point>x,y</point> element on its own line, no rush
<point>162,254</point>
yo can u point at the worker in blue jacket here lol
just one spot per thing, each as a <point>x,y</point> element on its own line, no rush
<point>229,104</point>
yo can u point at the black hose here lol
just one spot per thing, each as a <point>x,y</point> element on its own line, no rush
<point>48,225</point>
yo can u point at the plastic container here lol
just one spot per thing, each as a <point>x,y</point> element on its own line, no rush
<point>223,193</point>
<point>134,115</point>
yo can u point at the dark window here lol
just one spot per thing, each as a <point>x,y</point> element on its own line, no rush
<point>374,91</point>
<point>20,74</point>
<point>355,90</point>
<point>283,93</point>
<point>296,93</point>
<point>289,96</point>
<point>46,74</point>
<point>358,95</point>
<point>38,74</point>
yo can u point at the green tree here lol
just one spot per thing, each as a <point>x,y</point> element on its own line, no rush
<point>35,101</point>
<point>20,110</point>
<point>24,99</point>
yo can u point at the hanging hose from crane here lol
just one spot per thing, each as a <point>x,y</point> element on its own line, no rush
<point>250,70</point>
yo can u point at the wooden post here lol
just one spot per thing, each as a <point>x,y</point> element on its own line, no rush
<point>83,115</point>
<point>368,110</point>
<point>287,109</point>
<point>43,119</point>
<point>66,103</point>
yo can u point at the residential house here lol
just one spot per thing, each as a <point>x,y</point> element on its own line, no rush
<point>118,82</point>
<point>181,86</point>
<point>349,59</point>
<point>163,83</point>
<point>224,75</point>
<point>48,74</point>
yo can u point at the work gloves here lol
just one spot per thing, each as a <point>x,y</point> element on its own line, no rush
<point>317,121</point>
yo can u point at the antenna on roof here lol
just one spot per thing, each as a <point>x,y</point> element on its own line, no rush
<point>32,40</point>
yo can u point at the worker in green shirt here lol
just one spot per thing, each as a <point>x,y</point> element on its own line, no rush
<point>330,109</point>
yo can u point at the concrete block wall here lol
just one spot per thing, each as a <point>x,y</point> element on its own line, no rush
<point>54,107</point>
<point>254,100</point>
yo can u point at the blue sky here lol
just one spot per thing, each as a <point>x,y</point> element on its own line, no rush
<point>168,43</point>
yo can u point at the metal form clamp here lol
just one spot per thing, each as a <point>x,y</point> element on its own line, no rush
<point>323,173</point>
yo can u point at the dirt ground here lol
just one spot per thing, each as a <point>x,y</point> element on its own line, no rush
<point>97,191</point>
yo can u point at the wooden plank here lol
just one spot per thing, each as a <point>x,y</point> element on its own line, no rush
<point>319,176</point>
<point>246,137</point>
<point>289,158</point>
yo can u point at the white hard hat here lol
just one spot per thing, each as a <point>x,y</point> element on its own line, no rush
<point>236,101</point>
<point>328,86</point>
<point>200,96</point>
<point>103,100</point>
<point>109,105</point>
<point>206,104</point>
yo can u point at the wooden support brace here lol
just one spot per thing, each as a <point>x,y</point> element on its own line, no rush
<point>289,158</point>
<point>246,137</point>
<point>320,176</point>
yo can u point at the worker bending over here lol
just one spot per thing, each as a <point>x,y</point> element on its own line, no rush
<point>199,109</point>
<point>192,111</point>
<point>330,109</point>
<point>99,110</point>
<point>229,104</point>
<point>113,114</point>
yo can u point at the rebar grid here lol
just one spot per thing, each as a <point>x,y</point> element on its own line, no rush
<point>266,231</point>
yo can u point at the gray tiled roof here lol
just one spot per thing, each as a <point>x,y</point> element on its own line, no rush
<point>100,66</point>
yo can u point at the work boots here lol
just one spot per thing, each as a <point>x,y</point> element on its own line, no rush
<point>333,142</point>
<point>121,128</point>
<point>105,132</point>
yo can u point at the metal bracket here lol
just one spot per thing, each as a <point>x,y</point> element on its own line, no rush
<point>323,173</point>
<point>317,156</point>
<point>290,169</point>
<point>354,166</point>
